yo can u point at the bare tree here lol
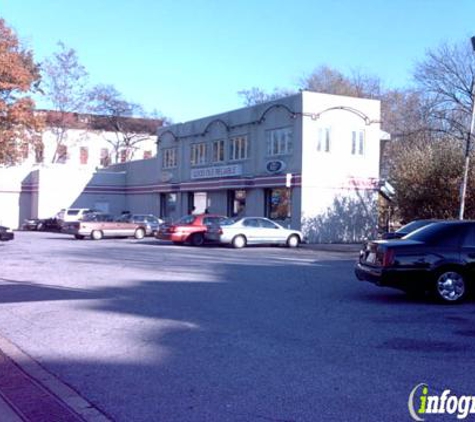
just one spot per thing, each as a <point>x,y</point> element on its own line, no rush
<point>256,95</point>
<point>128,122</point>
<point>331,81</point>
<point>446,76</point>
<point>65,87</point>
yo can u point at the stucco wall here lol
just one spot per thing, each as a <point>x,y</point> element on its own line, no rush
<point>338,199</point>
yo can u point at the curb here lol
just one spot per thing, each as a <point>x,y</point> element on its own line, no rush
<point>32,392</point>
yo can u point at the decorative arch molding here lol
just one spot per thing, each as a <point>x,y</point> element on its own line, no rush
<point>292,113</point>
<point>215,122</point>
<point>167,132</point>
<point>360,114</point>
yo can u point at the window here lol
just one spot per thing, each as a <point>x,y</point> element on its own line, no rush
<point>278,203</point>
<point>198,154</point>
<point>266,224</point>
<point>169,158</point>
<point>238,148</point>
<point>83,155</point>
<point>357,142</point>
<point>62,154</point>
<point>251,222</point>
<point>123,155</point>
<point>105,157</point>
<point>279,141</point>
<point>218,151</point>
<point>324,139</point>
<point>39,152</point>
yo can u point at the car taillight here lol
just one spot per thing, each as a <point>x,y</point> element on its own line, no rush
<point>388,257</point>
<point>172,229</point>
<point>220,231</point>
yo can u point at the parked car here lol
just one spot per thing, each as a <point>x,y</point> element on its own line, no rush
<point>439,258</point>
<point>6,234</point>
<point>99,225</point>
<point>41,224</point>
<point>406,229</point>
<point>189,229</point>
<point>151,223</point>
<point>253,231</point>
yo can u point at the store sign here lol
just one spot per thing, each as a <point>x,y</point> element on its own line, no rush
<point>275,166</point>
<point>222,171</point>
<point>166,176</point>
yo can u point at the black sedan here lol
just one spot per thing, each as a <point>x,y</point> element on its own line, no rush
<point>6,233</point>
<point>438,258</point>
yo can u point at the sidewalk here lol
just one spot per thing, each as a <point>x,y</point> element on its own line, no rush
<point>7,413</point>
<point>29,393</point>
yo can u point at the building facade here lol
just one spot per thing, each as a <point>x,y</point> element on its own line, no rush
<point>309,161</point>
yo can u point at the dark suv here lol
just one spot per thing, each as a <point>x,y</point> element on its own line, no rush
<point>439,258</point>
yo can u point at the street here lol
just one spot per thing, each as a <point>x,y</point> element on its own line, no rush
<point>149,331</point>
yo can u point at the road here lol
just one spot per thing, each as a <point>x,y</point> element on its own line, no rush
<point>148,331</point>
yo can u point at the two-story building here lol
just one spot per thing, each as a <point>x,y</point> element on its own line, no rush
<point>308,161</point>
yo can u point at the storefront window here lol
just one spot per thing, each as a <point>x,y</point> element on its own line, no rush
<point>278,203</point>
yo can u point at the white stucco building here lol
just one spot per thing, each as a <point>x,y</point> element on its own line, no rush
<point>309,161</point>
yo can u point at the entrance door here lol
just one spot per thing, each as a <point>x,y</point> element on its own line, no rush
<point>236,203</point>
<point>198,202</point>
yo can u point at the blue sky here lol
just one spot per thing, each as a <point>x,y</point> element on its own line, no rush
<point>189,58</point>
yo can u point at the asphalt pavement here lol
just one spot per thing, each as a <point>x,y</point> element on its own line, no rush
<point>139,331</point>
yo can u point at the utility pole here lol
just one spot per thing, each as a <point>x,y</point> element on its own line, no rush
<point>463,192</point>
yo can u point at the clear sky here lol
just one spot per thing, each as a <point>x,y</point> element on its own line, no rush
<point>189,58</point>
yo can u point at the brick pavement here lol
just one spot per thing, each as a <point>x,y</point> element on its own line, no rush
<point>28,393</point>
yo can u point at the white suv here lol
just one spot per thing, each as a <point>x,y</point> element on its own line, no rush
<point>72,214</point>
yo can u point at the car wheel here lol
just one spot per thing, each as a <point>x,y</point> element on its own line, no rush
<point>79,236</point>
<point>97,235</point>
<point>197,239</point>
<point>239,242</point>
<point>139,234</point>
<point>450,286</point>
<point>293,241</point>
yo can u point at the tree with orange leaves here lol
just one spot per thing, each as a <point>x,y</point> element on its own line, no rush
<point>19,76</point>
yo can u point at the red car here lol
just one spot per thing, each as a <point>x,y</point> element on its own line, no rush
<point>189,229</point>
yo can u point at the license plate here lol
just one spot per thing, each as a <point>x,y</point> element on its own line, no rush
<point>371,258</point>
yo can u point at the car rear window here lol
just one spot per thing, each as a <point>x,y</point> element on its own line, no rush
<point>440,234</point>
<point>413,225</point>
<point>187,219</point>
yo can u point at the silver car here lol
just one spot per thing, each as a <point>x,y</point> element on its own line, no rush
<point>253,231</point>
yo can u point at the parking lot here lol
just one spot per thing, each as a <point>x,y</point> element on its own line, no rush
<point>149,331</point>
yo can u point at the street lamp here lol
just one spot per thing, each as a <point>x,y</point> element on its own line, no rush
<point>467,150</point>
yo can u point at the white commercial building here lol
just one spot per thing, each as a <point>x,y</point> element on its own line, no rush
<point>309,161</point>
